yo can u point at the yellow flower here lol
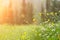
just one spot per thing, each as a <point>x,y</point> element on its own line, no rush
<point>47,14</point>
<point>40,14</point>
<point>48,20</point>
<point>25,33</point>
<point>23,37</point>
<point>52,13</point>
<point>34,19</point>
<point>52,23</point>
<point>59,10</point>
<point>55,13</point>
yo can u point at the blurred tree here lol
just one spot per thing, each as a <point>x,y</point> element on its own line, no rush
<point>29,13</point>
<point>23,13</point>
<point>8,14</point>
<point>53,7</point>
<point>48,2</point>
<point>26,13</point>
<point>43,9</point>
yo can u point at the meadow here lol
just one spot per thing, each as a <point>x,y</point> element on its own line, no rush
<point>49,31</point>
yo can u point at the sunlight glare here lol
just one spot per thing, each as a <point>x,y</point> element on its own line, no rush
<point>5,3</point>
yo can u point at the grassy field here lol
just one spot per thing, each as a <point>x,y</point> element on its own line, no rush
<point>30,32</point>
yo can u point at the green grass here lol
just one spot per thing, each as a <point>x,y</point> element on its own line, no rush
<point>30,32</point>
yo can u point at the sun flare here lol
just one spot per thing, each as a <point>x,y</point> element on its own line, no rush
<point>5,2</point>
<point>3,5</point>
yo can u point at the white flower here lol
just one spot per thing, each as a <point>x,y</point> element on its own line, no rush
<point>40,34</point>
<point>47,36</point>
<point>53,29</point>
<point>43,29</point>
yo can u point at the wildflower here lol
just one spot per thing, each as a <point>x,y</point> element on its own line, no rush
<point>40,34</point>
<point>47,14</point>
<point>53,29</point>
<point>34,20</point>
<point>52,23</point>
<point>43,29</point>
<point>47,36</point>
<point>59,10</point>
<point>23,37</point>
<point>40,14</point>
<point>25,33</point>
<point>52,13</point>
<point>48,20</point>
<point>55,13</point>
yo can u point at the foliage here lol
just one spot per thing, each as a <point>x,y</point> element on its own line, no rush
<point>52,12</point>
